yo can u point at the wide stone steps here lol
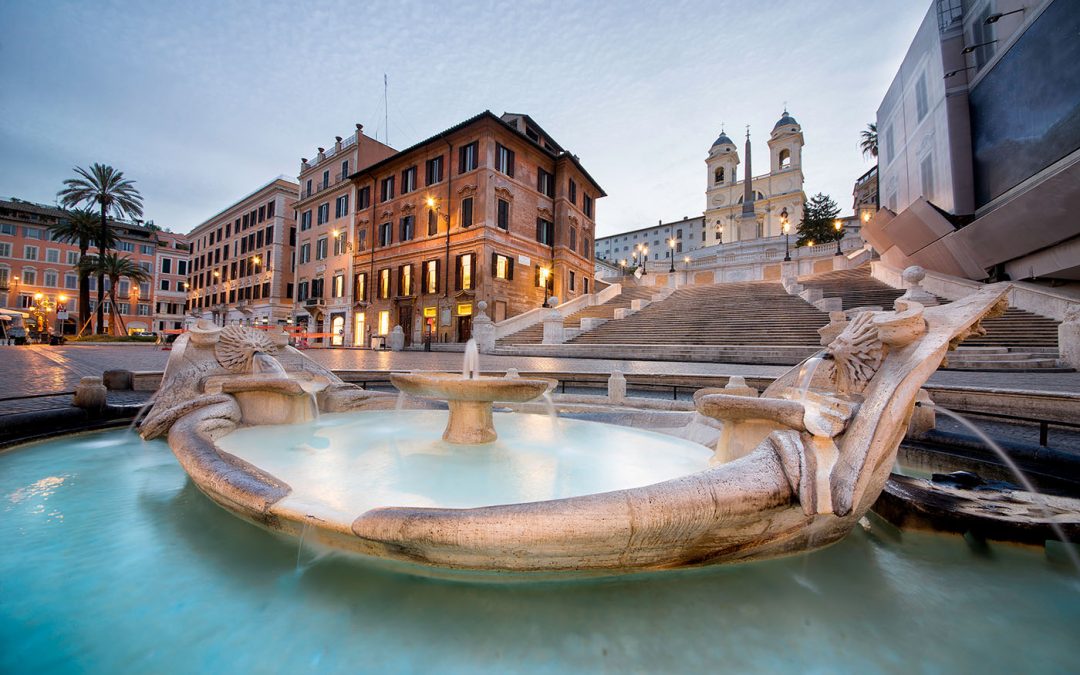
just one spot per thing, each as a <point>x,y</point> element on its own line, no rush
<point>534,334</point>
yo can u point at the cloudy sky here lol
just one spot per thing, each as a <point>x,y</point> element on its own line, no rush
<point>202,102</point>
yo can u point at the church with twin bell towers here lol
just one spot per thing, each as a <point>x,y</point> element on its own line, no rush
<point>756,206</point>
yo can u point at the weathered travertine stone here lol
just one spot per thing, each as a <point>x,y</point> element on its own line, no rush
<point>924,417</point>
<point>90,394</point>
<point>1069,339</point>
<point>913,277</point>
<point>116,380</point>
<point>397,339</point>
<point>616,387</point>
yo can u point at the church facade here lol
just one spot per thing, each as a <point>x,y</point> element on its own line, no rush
<point>755,207</point>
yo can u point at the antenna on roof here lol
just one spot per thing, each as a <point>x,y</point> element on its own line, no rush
<point>386,109</point>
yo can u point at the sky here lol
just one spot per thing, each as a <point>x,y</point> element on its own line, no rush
<point>203,102</point>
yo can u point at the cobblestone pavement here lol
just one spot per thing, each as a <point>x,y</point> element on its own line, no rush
<point>38,369</point>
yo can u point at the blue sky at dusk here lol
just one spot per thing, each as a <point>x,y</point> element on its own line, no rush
<point>202,102</point>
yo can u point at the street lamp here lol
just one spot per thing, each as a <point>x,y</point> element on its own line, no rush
<point>644,260</point>
<point>671,253</point>
<point>686,261</point>
<point>837,225</point>
<point>786,227</point>
<point>545,273</point>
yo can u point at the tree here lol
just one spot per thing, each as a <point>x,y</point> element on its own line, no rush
<point>114,267</point>
<point>81,228</point>
<point>107,188</point>
<point>868,144</point>
<point>819,221</point>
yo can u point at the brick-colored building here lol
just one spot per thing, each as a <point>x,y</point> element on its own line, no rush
<point>32,263</point>
<point>241,268</point>
<point>324,251</point>
<point>490,209</point>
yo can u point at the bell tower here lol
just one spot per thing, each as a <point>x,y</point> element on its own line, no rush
<point>785,145</point>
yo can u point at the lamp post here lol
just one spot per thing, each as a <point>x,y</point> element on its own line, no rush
<point>686,261</point>
<point>622,266</point>
<point>837,225</point>
<point>671,253</point>
<point>786,227</point>
<point>644,260</point>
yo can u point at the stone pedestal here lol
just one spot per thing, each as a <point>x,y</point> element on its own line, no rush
<point>554,327</point>
<point>736,386</point>
<point>397,339</point>
<point>1069,339</point>
<point>913,277</point>
<point>90,394</point>
<point>616,387</point>
<point>483,329</point>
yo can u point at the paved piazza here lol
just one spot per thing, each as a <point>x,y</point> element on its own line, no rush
<point>37,369</point>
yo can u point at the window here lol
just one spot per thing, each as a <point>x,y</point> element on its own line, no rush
<point>32,233</point>
<point>433,171</point>
<point>573,192</point>
<point>72,258</point>
<point>338,288</point>
<point>466,212</point>
<point>71,281</point>
<point>8,228</point>
<point>504,160</point>
<point>384,322</point>
<point>317,288</point>
<point>146,249</point>
<point>143,309</point>
<point>718,176</point>
<point>545,232</point>
<point>545,183</point>
<point>431,276</point>
<point>344,170</point>
<point>503,215</point>
<point>166,265</point>
<point>320,248</point>
<point>587,205</point>
<point>468,156</point>
<point>464,277</point>
<point>29,276</point>
<point>324,213</point>
<point>182,267</point>
<point>384,284</point>
<point>363,198</point>
<point>339,243</point>
<point>30,252</point>
<point>52,255</point>
<point>325,179</point>
<point>432,223</point>
<point>922,106</point>
<point>341,206</point>
<point>502,267</point>
<point>269,210</point>
<point>572,279</point>
<point>305,220</point>
<point>408,227</point>
<point>302,291</point>
<point>385,233</point>
<point>585,250</point>
<point>307,192</point>
<point>926,170</point>
<point>5,249</point>
<point>305,253</point>
<point>361,238</point>
<point>585,285</point>
<point>52,279</point>
<point>164,284</point>
<point>386,189</point>
<point>405,280</point>
<point>360,287</point>
<point>573,238</point>
<point>408,180</point>
<point>123,307</point>
<point>785,159</point>
<point>258,243</point>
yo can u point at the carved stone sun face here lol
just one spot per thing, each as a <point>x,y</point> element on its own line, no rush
<point>237,346</point>
<point>857,353</point>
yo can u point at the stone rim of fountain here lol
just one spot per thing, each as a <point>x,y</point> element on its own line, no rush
<point>773,501</point>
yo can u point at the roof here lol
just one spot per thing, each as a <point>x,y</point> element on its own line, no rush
<point>784,121</point>
<point>722,139</point>
<point>486,115</point>
<point>281,177</point>
<point>41,209</point>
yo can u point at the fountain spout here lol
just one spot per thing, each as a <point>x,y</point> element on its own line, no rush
<point>470,369</point>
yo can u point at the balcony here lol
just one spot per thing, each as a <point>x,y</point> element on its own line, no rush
<point>314,302</point>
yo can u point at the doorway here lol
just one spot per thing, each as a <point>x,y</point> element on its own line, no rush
<point>405,321</point>
<point>464,328</point>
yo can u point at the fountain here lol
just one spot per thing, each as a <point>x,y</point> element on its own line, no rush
<point>793,470</point>
<point>470,397</point>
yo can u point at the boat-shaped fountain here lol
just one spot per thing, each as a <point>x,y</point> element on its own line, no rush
<point>791,471</point>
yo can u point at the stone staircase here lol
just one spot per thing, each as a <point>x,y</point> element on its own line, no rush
<point>748,314</point>
<point>1017,340</point>
<point>534,334</point>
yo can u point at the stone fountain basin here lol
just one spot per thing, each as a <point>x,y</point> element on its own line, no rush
<point>446,386</point>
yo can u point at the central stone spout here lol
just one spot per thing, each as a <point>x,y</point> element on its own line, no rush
<point>470,400</point>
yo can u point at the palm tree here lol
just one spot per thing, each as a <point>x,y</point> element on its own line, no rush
<point>107,188</point>
<point>868,144</point>
<point>81,228</point>
<point>115,267</point>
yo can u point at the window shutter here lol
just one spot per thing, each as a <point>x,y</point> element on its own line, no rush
<point>510,268</point>
<point>438,275</point>
<point>461,160</point>
<point>539,225</point>
<point>457,274</point>
<point>494,263</point>
<point>536,276</point>
<point>510,168</point>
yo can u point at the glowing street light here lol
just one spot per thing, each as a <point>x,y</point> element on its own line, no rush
<point>671,253</point>
<point>785,225</point>
<point>837,225</point>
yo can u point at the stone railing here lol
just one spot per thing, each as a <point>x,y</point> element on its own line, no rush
<point>1029,297</point>
<point>534,316</point>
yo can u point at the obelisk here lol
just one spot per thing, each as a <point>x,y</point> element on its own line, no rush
<point>748,227</point>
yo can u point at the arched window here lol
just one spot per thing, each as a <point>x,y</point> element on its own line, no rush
<point>785,159</point>
<point>719,176</point>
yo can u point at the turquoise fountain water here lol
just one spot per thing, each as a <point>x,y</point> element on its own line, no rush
<point>114,562</point>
